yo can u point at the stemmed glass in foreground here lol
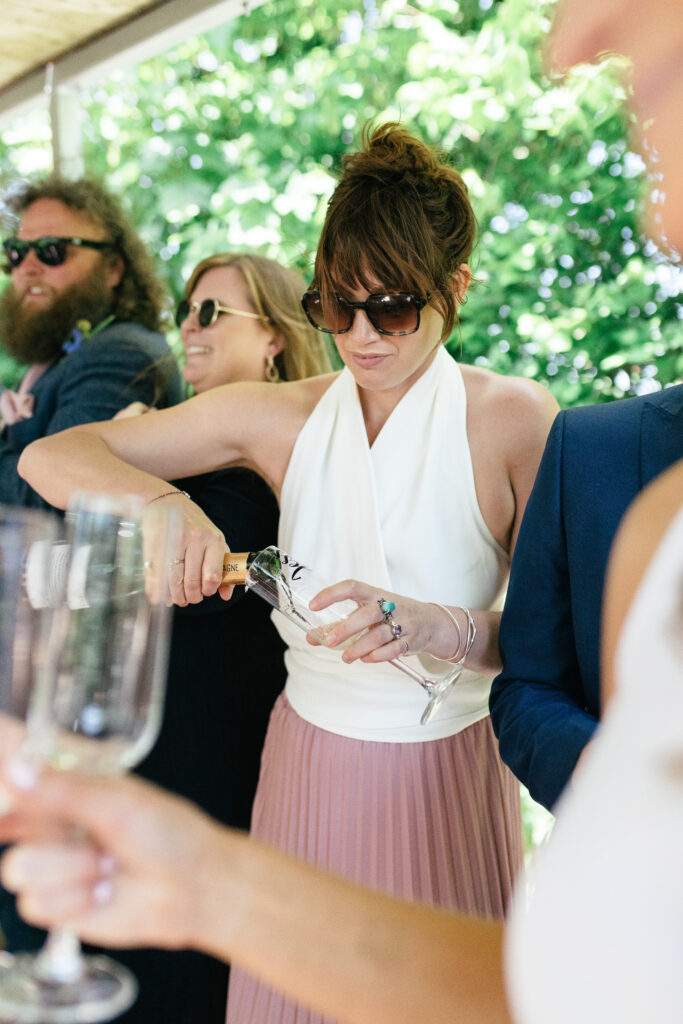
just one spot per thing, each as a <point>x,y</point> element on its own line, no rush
<point>84,629</point>
<point>289,587</point>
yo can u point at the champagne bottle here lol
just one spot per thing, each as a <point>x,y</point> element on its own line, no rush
<point>236,564</point>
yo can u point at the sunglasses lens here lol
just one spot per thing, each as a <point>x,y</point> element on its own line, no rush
<point>15,251</point>
<point>50,251</point>
<point>182,312</point>
<point>208,313</point>
<point>393,314</point>
<point>333,317</point>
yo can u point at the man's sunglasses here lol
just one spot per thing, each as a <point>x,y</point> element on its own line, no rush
<point>208,312</point>
<point>389,312</point>
<point>51,251</point>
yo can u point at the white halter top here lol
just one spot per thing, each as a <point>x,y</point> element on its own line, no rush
<point>403,516</point>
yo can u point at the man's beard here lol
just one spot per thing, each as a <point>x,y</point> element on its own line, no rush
<point>32,335</point>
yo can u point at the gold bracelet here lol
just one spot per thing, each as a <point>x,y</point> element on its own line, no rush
<point>167,494</point>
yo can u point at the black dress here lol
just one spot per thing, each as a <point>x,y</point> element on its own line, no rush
<point>225,670</point>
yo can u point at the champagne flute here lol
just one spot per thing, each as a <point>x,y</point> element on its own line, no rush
<point>289,586</point>
<point>84,660</point>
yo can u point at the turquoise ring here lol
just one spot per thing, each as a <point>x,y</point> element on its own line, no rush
<point>386,608</point>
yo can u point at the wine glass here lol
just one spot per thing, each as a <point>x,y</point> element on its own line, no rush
<point>289,586</point>
<point>83,656</point>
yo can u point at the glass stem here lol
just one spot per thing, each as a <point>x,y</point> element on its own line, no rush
<point>425,683</point>
<point>60,960</point>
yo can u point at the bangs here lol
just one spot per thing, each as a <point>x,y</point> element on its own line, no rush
<point>372,245</point>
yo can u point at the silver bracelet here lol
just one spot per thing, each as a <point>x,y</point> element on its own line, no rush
<point>167,494</point>
<point>471,634</point>
<point>455,622</point>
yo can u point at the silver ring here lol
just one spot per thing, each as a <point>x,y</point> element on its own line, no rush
<point>177,561</point>
<point>405,645</point>
<point>396,630</point>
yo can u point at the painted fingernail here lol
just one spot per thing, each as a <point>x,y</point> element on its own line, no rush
<point>21,772</point>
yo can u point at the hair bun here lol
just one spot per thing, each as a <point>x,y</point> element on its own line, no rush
<point>390,151</point>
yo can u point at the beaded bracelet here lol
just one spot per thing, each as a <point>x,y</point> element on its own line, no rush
<point>471,634</point>
<point>166,494</point>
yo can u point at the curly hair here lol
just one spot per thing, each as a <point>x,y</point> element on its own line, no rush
<point>399,215</point>
<point>140,296</point>
<point>275,292</point>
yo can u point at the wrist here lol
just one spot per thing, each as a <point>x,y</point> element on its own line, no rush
<point>225,903</point>
<point>168,494</point>
<point>464,632</point>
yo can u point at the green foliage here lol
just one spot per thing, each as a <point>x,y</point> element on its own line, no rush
<point>233,140</point>
<point>537,823</point>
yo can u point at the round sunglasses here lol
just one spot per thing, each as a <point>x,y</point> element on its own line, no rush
<point>394,313</point>
<point>50,250</point>
<point>208,312</point>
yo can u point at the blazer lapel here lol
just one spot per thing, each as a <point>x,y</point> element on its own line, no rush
<point>661,434</point>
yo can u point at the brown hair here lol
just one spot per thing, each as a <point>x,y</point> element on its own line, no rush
<point>275,293</point>
<point>140,295</point>
<point>399,214</point>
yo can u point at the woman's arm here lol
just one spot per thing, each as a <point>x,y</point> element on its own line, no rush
<point>139,454</point>
<point>156,871</point>
<point>251,424</point>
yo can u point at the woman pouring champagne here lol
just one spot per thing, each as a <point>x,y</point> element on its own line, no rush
<point>404,470</point>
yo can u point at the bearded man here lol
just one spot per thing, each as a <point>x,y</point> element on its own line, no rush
<point>82,312</point>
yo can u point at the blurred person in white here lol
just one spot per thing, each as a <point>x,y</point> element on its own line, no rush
<point>600,937</point>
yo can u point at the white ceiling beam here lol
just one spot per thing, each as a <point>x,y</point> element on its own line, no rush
<point>149,34</point>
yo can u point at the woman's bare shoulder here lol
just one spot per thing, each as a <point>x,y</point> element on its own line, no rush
<point>277,400</point>
<point>515,404</point>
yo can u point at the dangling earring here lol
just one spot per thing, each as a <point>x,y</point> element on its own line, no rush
<point>272,372</point>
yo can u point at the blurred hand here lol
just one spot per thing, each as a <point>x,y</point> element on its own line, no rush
<point>196,566</point>
<point>134,409</point>
<point>136,879</point>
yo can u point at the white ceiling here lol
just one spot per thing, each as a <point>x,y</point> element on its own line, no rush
<point>86,39</point>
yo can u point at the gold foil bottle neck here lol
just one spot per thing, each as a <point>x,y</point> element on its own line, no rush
<point>235,567</point>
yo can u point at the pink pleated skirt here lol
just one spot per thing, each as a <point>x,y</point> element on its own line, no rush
<point>437,822</point>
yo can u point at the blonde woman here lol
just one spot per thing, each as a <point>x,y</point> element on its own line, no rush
<point>241,320</point>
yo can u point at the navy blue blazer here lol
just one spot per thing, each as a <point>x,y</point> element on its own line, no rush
<point>123,363</point>
<point>545,703</point>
